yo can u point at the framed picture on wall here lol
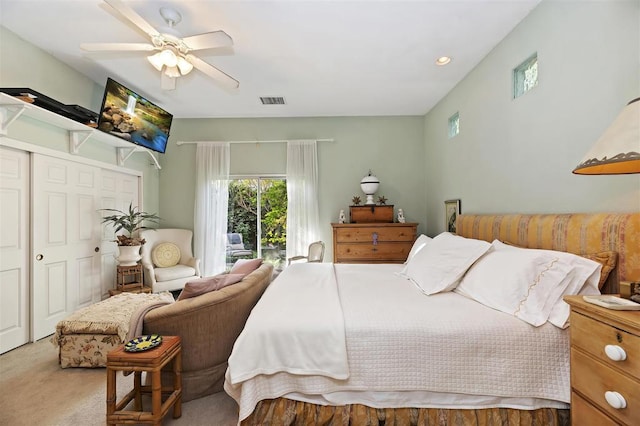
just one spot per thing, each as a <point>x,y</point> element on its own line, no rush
<point>452,208</point>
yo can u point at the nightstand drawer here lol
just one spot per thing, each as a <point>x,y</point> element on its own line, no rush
<point>593,336</point>
<point>584,414</point>
<point>592,379</point>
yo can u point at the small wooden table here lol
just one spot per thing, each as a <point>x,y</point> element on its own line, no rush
<point>151,361</point>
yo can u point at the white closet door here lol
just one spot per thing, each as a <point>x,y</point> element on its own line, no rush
<point>117,191</point>
<point>65,240</point>
<point>14,248</point>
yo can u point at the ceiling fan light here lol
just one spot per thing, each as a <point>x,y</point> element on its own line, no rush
<point>156,61</point>
<point>184,66</point>
<point>172,72</point>
<point>169,58</point>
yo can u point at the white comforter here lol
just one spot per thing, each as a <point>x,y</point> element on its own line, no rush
<point>400,346</point>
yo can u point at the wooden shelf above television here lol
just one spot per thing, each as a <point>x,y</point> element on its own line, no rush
<point>12,108</point>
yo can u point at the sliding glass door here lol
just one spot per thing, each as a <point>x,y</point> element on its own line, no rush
<point>257,220</point>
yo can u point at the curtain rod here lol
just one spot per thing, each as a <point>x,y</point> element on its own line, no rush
<point>254,141</point>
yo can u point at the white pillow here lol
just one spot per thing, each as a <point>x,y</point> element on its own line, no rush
<point>585,274</point>
<point>584,279</point>
<point>420,242</point>
<point>439,265</point>
<point>526,283</point>
<point>165,255</point>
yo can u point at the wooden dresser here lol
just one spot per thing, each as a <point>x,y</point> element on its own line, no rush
<point>372,242</point>
<point>605,365</point>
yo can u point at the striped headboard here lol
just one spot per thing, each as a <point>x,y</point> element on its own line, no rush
<point>578,233</point>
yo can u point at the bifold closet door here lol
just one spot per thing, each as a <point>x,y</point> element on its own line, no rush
<point>14,248</point>
<point>65,240</point>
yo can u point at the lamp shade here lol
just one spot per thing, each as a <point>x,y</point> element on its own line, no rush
<point>184,66</point>
<point>172,72</point>
<point>618,149</point>
<point>169,58</point>
<point>156,61</point>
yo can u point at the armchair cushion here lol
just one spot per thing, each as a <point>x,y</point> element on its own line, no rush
<point>174,272</point>
<point>165,255</point>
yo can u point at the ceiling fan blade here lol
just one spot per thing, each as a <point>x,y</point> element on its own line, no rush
<point>213,72</point>
<point>98,47</point>
<point>166,82</point>
<point>208,40</point>
<point>133,16</point>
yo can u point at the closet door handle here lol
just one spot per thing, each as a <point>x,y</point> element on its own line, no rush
<point>39,257</point>
<point>97,249</point>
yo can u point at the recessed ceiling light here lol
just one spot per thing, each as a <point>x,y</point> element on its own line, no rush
<point>443,60</point>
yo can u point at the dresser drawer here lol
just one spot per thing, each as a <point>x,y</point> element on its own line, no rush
<point>366,234</point>
<point>592,379</point>
<point>584,414</point>
<point>593,336</point>
<point>381,252</point>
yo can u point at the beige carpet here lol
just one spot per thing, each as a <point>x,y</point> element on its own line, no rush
<point>34,390</point>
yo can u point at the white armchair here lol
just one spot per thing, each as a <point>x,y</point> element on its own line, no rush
<point>174,277</point>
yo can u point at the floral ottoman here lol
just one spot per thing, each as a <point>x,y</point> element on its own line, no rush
<point>85,337</point>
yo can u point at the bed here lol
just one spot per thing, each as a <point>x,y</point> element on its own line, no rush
<point>374,344</point>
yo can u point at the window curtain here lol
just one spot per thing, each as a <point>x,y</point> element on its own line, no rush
<point>302,196</point>
<point>212,198</point>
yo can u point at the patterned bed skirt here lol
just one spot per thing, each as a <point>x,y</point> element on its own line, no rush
<point>286,412</point>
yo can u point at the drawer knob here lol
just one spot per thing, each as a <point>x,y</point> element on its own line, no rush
<point>615,400</point>
<point>615,353</point>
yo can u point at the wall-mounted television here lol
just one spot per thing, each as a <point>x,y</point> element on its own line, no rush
<point>129,116</point>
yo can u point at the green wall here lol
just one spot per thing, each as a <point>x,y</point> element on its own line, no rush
<point>517,155</point>
<point>390,146</point>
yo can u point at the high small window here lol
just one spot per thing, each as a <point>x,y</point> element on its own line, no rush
<point>454,125</point>
<point>525,76</point>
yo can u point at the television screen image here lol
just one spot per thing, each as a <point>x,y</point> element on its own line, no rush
<point>129,116</point>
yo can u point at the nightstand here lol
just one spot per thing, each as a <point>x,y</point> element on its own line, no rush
<point>605,364</point>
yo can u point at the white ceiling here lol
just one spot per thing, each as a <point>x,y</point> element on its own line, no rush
<point>326,58</point>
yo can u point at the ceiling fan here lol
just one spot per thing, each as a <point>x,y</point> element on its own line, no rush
<point>172,57</point>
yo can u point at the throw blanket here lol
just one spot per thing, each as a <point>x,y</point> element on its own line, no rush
<point>109,316</point>
<point>297,328</point>
<point>137,318</point>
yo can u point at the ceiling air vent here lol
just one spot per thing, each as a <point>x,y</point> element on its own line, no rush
<point>272,100</point>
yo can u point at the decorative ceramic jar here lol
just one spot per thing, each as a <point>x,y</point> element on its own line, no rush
<point>369,185</point>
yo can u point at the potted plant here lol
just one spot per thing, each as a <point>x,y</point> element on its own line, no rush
<point>131,221</point>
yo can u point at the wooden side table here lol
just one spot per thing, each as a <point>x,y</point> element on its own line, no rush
<point>605,364</point>
<point>152,362</point>
<point>129,277</point>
